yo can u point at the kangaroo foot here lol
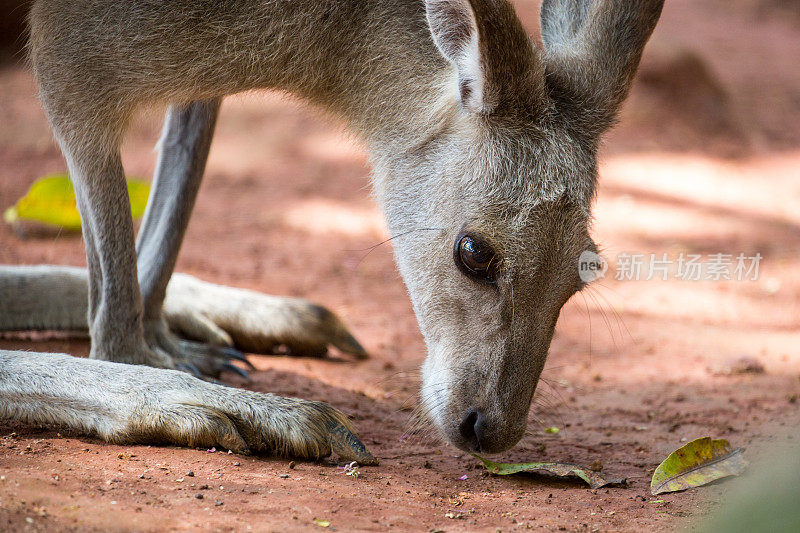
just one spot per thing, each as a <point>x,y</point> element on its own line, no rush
<point>254,322</point>
<point>182,411</point>
<point>132,404</point>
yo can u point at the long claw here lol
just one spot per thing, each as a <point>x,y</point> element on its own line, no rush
<point>237,355</point>
<point>349,447</point>
<point>190,368</point>
<point>348,344</point>
<point>227,366</point>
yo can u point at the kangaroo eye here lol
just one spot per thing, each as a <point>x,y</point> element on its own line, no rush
<point>475,258</point>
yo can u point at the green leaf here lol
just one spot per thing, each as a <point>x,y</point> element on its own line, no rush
<point>51,200</point>
<point>593,479</point>
<point>699,462</point>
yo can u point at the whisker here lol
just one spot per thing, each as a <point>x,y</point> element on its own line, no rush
<point>370,249</point>
<point>589,319</point>
<point>619,318</point>
<point>513,310</point>
<point>395,375</point>
<point>604,316</point>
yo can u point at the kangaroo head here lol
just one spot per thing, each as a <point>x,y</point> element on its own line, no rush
<point>494,207</point>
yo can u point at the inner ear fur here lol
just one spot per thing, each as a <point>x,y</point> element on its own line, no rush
<point>499,72</point>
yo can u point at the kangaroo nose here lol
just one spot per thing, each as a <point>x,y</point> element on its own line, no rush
<point>472,428</point>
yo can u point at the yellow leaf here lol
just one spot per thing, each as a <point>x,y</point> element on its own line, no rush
<point>699,462</point>
<point>51,200</point>
<point>322,523</point>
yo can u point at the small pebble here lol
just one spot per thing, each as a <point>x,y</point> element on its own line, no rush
<point>291,465</point>
<point>284,476</point>
<point>198,496</point>
<point>218,503</point>
<point>190,474</point>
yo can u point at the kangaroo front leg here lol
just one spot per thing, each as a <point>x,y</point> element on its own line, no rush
<point>115,304</point>
<point>184,147</point>
<point>136,404</point>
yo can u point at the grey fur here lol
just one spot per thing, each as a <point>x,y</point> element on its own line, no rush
<point>148,405</point>
<point>470,126</point>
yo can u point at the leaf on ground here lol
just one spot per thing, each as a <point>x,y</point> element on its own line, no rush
<point>51,200</point>
<point>322,523</point>
<point>562,470</point>
<point>699,462</point>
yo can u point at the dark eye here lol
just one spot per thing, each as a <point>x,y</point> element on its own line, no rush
<point>475,258</point>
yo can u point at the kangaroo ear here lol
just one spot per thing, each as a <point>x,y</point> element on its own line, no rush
<point>593,49</point>
<point>455,32</point>
<point>498,68</point>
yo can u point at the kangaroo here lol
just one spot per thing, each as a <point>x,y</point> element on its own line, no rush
<point>483,146</point>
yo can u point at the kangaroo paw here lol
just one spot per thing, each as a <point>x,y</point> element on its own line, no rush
<point>199,359</point>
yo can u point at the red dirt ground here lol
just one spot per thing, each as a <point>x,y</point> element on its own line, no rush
<point>706,159</point>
